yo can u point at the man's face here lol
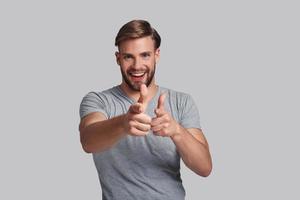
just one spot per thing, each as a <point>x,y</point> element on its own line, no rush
<point>137,59</point>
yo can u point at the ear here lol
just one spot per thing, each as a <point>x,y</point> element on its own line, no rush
<point>157,54</point>
<point>117,54</point>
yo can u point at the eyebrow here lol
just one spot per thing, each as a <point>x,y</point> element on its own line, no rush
<point>126,54</point>
<point>146,52</point>
<point>129,54</point>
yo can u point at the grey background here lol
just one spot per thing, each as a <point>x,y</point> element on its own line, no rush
<point>238,59</point>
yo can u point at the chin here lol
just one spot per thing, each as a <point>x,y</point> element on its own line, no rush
<point>137,86</point>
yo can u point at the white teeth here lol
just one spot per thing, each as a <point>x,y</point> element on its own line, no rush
<point>137,74</point>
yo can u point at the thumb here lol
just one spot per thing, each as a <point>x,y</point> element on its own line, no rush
<point>143,95</point>
<point>161,101</point>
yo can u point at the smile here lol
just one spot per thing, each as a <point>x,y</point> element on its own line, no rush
<point>137,75</point>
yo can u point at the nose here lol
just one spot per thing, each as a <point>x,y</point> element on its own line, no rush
<point>137,63</point>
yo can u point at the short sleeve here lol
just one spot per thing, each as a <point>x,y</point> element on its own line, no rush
<point>189,115</point>
<point>93,102</point>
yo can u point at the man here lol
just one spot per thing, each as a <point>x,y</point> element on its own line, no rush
<point>138,131</point>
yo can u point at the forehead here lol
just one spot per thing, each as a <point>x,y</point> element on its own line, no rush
<point>137,45</point>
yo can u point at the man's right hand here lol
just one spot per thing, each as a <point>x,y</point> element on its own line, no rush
<point>138,123</point>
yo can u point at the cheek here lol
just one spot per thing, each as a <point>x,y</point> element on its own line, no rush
<point>123,69</point>
<point>152,63</point>
<point>149,62</point>
<point>125,65</point>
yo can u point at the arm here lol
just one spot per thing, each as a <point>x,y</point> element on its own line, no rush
<point>190,143</point>
<point>98,133</point>
<point>193,149</point>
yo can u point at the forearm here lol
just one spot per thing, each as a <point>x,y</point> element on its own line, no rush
<point>102,135</point>
<point>194,154</point>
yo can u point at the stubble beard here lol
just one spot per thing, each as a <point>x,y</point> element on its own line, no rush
<point>135,86</point>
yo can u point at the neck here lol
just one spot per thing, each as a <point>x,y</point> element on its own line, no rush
<point>152,89</point>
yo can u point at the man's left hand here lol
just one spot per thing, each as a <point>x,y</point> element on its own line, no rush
<point>163,124</point>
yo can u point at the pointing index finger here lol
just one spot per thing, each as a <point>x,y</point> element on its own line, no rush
<point>161,101</point>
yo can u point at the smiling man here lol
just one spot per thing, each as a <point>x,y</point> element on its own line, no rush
<point>138,131</point>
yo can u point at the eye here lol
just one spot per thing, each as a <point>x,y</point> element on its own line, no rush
<point>145,55</point>
<point>127,57</point>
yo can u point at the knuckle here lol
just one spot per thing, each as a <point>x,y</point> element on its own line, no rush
<point>131,129</point>
<point>147,127</point>
<point>149,120</point>
<point>167,117</point>
<point>163,132</point>
<point>131,123</point>
<point>146,118</point>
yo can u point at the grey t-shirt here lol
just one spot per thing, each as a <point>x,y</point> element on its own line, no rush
<point>141,167</point>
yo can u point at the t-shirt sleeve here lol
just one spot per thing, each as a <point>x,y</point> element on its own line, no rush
<point>93,102</point>
<point>190,115</point>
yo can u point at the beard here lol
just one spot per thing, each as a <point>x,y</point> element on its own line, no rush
<point>135,85</point>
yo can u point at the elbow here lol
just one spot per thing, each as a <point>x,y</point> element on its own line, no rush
<point>86,149</point>
<point>204,171</point>
<point>90,147</point>
<point>86,146</point>
<point>86,143</point>
<point>206,168</point>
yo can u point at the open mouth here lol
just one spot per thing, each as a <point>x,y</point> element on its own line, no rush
<point>137,76</point>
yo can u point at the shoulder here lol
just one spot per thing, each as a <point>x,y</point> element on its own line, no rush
<point>104,95</point>
<point>98,99</point>
<point>178,96</point>
<point>97,102</point>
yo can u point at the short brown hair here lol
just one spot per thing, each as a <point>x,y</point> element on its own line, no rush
<point>137,29</point>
